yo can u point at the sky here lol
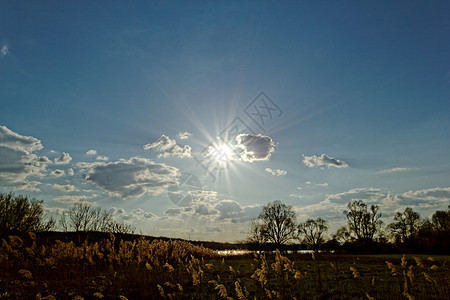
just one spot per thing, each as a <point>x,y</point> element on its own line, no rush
<point>185,119</point>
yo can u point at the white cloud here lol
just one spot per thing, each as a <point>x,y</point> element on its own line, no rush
<point>177,151</point>
<point>164,143</point>
<point>323,160</point>
<point>333,206</point>
<point>394,170</point>
<point>4,50</point>
<point>322,184</point>
<point>168,147</point>
<point>91,152</point>
<point>137,214</point>
<point>18,161</point>
<point>184,135</point>
<point>102,158</point>
<point>64,188</point>
<point>277,172</point>
<point>15,141</point>
<point>70,199</point>
<point>131,178</point>
<point>255,147</point>
<point>57,173</point>
<point>63,159</point>
<point>70,172</point>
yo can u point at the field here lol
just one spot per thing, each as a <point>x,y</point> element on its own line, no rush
<point>157,269</point>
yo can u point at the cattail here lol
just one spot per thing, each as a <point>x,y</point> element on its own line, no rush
<point>355,272</point>
<point>222,290</point>
<point>239,292</point>
<point>410,275</point>
<point>419,262</point>
<point>429,278</point>
<point>391,266</point>
<point>404,262</point>
<point>169,267</point>
<point>161,291</point>
<point>369,297</point>
<point>15,241</point>
<point>25,273</point>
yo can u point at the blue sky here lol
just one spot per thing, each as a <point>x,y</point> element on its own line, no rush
<point>359,93</point>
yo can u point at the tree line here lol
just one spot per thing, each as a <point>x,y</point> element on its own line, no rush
<point>22,214</point>
<point>276,227</point>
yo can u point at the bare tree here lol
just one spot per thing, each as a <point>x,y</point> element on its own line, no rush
<point>84,217</point>
<point>275,224</point>
<point>406,225</point>
<point>363,221</point>
<point>19,213</point>
<point>311,232</point>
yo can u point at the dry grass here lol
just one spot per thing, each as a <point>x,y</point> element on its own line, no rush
<point>113,269</point>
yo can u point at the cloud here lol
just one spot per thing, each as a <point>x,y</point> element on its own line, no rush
<point>255,147</point>
<point>323,160</point>
<point>333,206</point>
<point>177,151</point>
<point>70,199</point>
<point>137,214</point>
<point>184,135</point>
<point>173,211</point>
<point>322,184</point>
<point>16,141</point>
<point>57,173</point>
<point>277,172</point>
<point>70,172</point>
<point>168,147</point>
<point>91,152</point>
<point>164,143</point>
<point>18,161</point>
<point>4,50</point>
<point>394,170</point>
<point>131,178</point>
<point>64,188</point>
<point>63,159</point>
<point>102,158</point>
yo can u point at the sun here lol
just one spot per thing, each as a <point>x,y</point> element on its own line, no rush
<point>222,152</point>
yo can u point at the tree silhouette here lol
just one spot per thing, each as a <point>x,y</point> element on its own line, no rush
<point>275,224</point>
<point>20,214</point>
<point>363,221</point>
<point>405,227</point>
<point>311,232</point>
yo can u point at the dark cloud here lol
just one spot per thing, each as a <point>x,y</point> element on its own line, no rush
<point>255,147</point>
<point>131,178</point>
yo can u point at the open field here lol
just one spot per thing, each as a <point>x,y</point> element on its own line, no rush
<point>114,269</point>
